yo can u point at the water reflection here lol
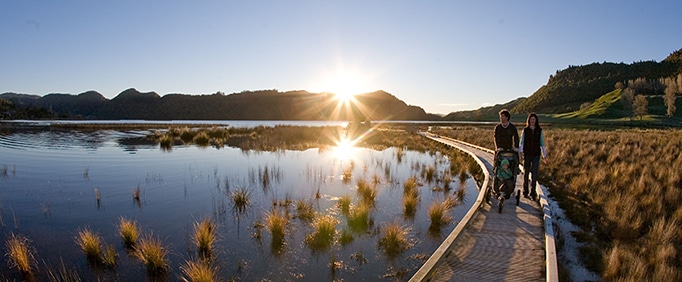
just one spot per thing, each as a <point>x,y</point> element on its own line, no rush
<point>332,203</point>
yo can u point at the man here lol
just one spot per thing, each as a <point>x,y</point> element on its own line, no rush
<point>506,135</point>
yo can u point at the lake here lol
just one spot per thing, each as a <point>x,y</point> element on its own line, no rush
<point>54,183</point>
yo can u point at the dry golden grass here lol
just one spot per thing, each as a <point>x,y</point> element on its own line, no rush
<point>91,244</point>
<point>276,221</point>
<point>128,231</point>
<point>394,239</point>
<point>20,254</point>
<point>344,203</point>
<point>323,234</point>
<point>204,236</point>
<point>623,188</point>
<point>198,271</point>
<point>150,251</point>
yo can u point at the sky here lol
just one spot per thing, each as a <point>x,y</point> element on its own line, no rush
<point>443,56</point>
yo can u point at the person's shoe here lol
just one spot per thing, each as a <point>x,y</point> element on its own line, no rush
<point>533,196</point>
<point>525,195</point>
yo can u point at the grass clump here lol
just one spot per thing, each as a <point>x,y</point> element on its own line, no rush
<point>128,231</point>
<point>20,254</point>
<point>323,236</point>
<point>438,214</point>
<point>204,237</point>
<point>198,271</point>
<point>91,244</point>
<point>359,218</point>
<point>393,240</point>
<point>410,202</point>
<point>240,199</point>
<point>305,210</point>
<point>367,192</point>
<point>276,221</point>
<point>152,254</point>
<point>344,203</point>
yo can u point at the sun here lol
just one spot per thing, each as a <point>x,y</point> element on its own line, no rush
<point>345,85</point>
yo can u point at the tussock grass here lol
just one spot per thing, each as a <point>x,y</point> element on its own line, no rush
<point>151,252</point>
<point>204,237</point>
<point>366,192</point>
<point>305,210</point>
<point>410,186</point>
<point>198,271</point>
<point>438,214</point>
<point>128,231</point>
<point>276,221</point>
<point>241,198</point>
<point>359,219</point>
<point>91,244</point>
<point>394,239</point>
<point>324,232</point>
<point>410,202</point>
<point>344,203</point>
<point>201,139</point>
<point>20,254</point>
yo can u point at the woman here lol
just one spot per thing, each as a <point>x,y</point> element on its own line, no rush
<point>532,146</point>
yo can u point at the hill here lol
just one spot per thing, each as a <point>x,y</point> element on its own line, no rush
<point>483,114</point>
<point>246,105</point>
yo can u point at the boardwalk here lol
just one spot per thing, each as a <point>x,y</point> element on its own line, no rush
<point>494,247</point>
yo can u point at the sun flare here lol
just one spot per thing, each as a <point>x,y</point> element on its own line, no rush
<point>345,85</point>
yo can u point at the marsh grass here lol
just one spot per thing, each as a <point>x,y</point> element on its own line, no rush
<point>20,254</point>
<point>91,245</point>
<point>151,252</point>
<point>410,202</point>
<point>359,219</point>
<point>344,203</point>
<point>201,139</point>
<point>393,240</point>
<point>204,237</point>
<point>324,232</point>
<point>241,197</point>
<point>439,216</point>
<point>128,231</point>
<point>305,210</point>
<point>198,271</point>
<point>366,192</point>
<point>346,237</point>
<point>276,220</point>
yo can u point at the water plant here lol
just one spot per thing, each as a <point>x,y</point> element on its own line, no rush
<point>150,251</point>
<point>91,244</point>
<point>305,210</point>
<point>204,237</point>
<point>366,191</point>
<point>438,214</point>
<point>240,199</point>
<point>198,271</point>
<point>359,219</point>
<point>201,139</point>
<point>323,234</point>
<point>410,202</point>
<point>344,203</point>
<point>393,240</point>
<point>276,221</point>
<point>128,231</point>
<point>20,254</point>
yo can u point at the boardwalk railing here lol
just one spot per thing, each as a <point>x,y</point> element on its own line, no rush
<point>552,275</point>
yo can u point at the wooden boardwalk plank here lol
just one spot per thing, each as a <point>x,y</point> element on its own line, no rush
<point>498,247</point>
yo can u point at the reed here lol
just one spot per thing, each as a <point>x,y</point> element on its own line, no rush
<point>128,231</point>
<point>198,271</point>
<point>150,251</point>
<point>20,254</point>
<point>91,244</point>
<point>393,240</point>
<point>204,237</point>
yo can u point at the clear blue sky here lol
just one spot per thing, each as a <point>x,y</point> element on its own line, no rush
<point>443,56</point>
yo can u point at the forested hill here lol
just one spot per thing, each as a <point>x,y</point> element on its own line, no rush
<point>247,105</point>
<point>570,88</point>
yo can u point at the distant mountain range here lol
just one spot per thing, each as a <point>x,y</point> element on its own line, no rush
<point>247,105</point>
<point>574,92</point>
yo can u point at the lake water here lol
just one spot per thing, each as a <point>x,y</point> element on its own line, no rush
<point>50,179</point>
